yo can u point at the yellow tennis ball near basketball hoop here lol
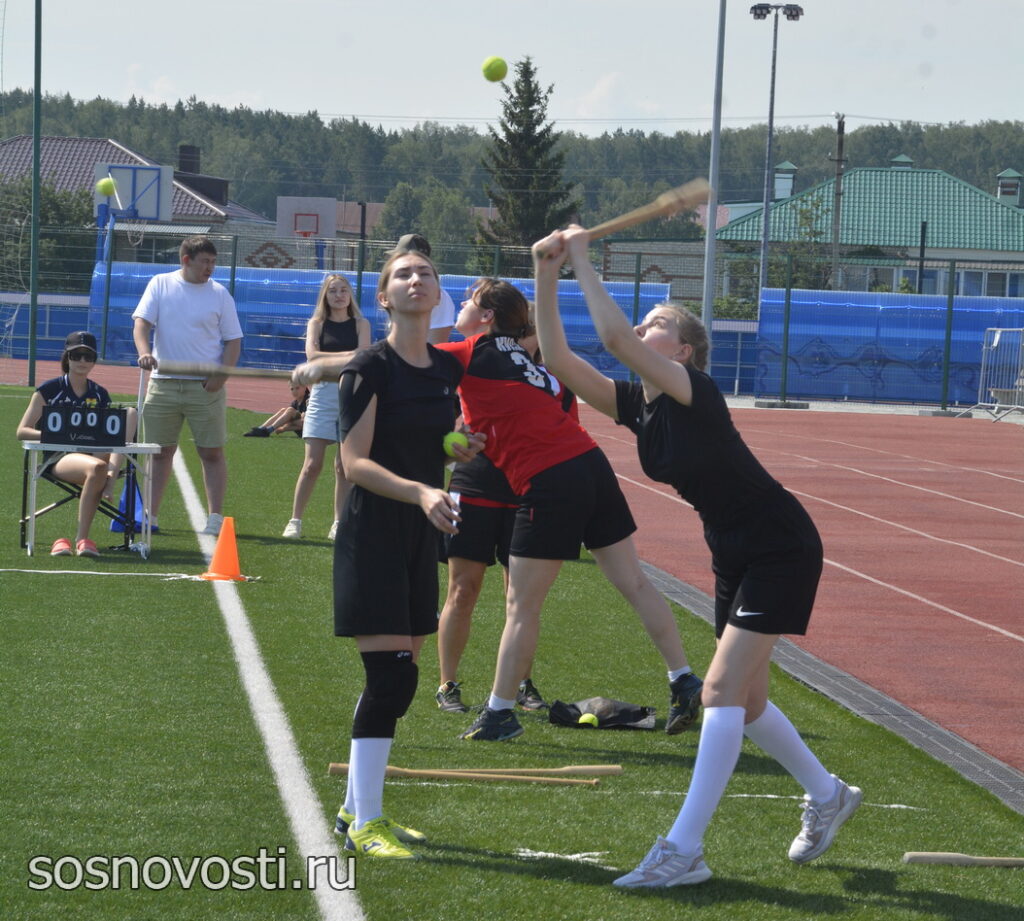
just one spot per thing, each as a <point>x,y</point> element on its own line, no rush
<point>454,438</point>
<point>106,186</point>
<point>495,68</point>
<point>589,719</point>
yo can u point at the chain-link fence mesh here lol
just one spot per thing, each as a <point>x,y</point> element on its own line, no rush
<point>896,330</point>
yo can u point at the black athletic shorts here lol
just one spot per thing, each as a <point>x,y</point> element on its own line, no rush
<point>767,568</point>
<point>385,568</point>
<point>576,501</point>
<point>485,532</point>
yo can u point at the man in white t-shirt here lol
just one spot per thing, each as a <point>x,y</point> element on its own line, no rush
<point>188,317</point>
<point>442,317</point>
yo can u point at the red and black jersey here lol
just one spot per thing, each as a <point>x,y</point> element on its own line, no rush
<point>517,404</point>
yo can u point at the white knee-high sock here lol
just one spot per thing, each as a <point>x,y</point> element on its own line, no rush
<point>364,794</point>
<point>774,734</point>
<point>720,739</point>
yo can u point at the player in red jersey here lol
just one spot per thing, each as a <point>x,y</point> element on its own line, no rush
<point>569,495</point>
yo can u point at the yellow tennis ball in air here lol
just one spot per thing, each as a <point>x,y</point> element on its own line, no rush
<point>495,68</point>
<point>106,186</point>
<point>454,438</point>
<point>589,719</point>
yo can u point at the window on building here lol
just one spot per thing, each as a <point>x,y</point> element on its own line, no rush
<point>973,283</point>
<point>995,284</point>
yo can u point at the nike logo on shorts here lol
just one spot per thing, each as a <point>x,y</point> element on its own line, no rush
<point>741,613</point>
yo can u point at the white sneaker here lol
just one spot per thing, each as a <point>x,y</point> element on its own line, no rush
<point>333,532</point>
<point>213,524</point>
<point>293,528</point>
<point>665,865</point>
<point>822,821</point>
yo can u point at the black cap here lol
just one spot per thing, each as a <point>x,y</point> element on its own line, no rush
<point>411,243</point>
<point>81,339</point>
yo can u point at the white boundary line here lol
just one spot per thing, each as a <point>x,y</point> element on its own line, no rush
<point>305,816</point>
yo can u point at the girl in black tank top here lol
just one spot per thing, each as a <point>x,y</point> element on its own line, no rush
<point>336,329</point>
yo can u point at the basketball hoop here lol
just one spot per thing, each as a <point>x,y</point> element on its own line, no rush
<point>134,231</point>
<point>305,234</point>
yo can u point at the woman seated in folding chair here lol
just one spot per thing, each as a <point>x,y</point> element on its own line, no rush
<point>95,473</point>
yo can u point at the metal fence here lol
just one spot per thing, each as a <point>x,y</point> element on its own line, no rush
<point>878,339</point>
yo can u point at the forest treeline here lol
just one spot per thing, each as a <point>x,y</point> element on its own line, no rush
<point>265,154</point>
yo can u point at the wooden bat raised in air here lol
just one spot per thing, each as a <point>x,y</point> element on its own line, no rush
<point>682,198</point>
<point>961,860</point>
<point>474,775</point>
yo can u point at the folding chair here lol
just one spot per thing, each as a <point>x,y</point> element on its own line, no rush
<point>124,519</point>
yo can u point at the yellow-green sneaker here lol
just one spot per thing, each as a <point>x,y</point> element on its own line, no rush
<point>376,839</point>
<point>401,833</point>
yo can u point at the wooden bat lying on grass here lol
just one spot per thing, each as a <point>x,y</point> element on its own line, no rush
<point>961,860</point>
<point>393,771</point>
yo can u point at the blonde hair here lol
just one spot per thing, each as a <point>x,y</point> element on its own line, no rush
<point>321,311</point>
<point>692,332</point>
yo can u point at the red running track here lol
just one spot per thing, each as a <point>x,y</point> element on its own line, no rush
<point>922,519</point>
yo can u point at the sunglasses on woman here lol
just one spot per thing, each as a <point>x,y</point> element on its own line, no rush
<point>81,356</point>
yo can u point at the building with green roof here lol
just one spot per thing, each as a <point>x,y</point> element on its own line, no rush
<point>883,215</point>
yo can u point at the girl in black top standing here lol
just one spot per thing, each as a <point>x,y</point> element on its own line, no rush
<point>766,553</point>
<point>338,330</point>
<point>397,403</point>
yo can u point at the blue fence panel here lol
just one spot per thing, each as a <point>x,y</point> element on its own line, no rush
<point>876,346</point>
<point>275,304</point>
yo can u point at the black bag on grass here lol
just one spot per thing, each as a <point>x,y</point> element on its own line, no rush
<point>603,713</point>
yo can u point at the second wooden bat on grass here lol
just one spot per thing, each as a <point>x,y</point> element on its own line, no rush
<point>393,771</point>
<point>961,860</point>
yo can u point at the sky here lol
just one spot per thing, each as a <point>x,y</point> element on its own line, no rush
<point>646,64</point>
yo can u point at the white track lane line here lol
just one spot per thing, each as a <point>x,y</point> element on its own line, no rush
<point>919,460</point>
<point>854,572</point>
<point>305,816</point>
<point>818,462</point>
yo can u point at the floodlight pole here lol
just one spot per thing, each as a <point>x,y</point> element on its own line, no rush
<point>37,116</point>
<point>711,221</point>
<point>793,13</point>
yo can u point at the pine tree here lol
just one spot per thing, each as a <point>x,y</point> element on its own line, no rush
<point>529,194</point>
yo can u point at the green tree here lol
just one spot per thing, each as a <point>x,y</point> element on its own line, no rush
<point>528,190</point>
<point>67,246</point>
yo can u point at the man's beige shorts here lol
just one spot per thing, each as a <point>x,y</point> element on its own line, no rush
<point>169,402</point>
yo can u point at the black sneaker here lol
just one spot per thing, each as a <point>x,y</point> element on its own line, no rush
<point>257,432</point>
<point>493,726</point>
<point>528,697</point>
<point>449,698</point>
<point>684,704</point>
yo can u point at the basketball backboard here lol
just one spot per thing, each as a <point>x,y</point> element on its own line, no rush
<point>307,217</point>
<point>142,192</point>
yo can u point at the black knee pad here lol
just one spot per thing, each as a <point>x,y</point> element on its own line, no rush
<point>391,679</point>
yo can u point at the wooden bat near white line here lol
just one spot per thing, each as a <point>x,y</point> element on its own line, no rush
<point>393,771</point>
<point>596,770</point>
<point>961,860</point>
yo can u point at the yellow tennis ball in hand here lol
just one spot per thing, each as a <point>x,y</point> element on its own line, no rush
<point>589,719</point>
<point>495,68</point>
<point>454,438</point>
<point>106,186</point>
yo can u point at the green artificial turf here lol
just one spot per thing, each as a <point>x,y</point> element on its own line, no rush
<point>126,731</point>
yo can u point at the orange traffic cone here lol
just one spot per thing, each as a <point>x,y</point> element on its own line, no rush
<point>224,567</point>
